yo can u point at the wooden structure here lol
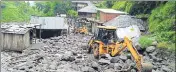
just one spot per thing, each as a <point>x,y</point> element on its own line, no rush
<point>15,39</point>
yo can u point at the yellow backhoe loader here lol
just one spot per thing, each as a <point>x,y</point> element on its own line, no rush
<point>81,26</point>
<point>105,41</point>
<point>82,30</point>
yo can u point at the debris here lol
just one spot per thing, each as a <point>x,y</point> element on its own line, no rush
<point>103,61</point>
<point>150,49</point>
<point>114,60</point>
<point>123,57</point>
<point>68,55</point>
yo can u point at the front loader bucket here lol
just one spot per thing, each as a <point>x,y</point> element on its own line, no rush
<point>146,67</point>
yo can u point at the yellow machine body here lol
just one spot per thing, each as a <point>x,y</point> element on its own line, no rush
<point>114,48</point>
<point>82,30</point>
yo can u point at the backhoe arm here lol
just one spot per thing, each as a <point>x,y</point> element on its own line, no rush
<point>137,57</point>
<point>127,43</point>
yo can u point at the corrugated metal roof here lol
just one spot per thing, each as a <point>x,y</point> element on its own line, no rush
<point>111,11</point>
<point>89,9</point>
<point>15,29</point>
<point>123,21</point>
<point>51,22</point>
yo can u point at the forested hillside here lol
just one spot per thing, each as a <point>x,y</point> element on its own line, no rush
<point>21,11</point>
<point>17,11</point>
<point>159,15</point>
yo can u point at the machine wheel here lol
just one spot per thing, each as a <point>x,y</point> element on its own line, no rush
<point>96,51</point>
<point>146,67</point>
<point>89,49</point>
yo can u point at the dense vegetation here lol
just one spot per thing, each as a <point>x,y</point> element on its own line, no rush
<point>21,11</point>
<point>17,11</point>
<point>160,16</point>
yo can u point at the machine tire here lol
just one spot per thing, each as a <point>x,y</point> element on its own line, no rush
<point>89,50</point>
<point>96,51</point>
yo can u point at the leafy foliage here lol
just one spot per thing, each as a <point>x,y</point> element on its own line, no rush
<point>170,46</point>
<point>56,7</point>
<point>145,41</point>
<point>101,4</point>
<point>160,16</point>
<point>161,22</point>
<point>72,13</point>
<point>17,11</point>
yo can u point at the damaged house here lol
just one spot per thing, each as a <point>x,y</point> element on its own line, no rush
<point>16,37</point>
<point>50,26</point>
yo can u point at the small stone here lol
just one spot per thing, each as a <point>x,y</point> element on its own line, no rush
<point>103,61</point>
<point>154,67</point>
<point>114,59</point>
<point>123,57</point>
<point>154,43</point>
<point>118,66</point>
<point>165,69</point>
<point>150,49</point>
<point>111,65</point>
<point>79,56</point>
<point>94,65</point>
<point>109,70</point>
<point>87,69</point>
<point>133,70</point>
<point>125,66</point>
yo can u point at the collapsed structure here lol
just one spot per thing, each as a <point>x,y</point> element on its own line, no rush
<point>16,37</point>
<point>50,26</point>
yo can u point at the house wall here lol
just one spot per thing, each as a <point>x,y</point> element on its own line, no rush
<point>86,15</point>
<point>105,17</point>
<point>16,42</point>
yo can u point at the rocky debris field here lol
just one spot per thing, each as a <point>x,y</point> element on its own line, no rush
<point>69,54</point>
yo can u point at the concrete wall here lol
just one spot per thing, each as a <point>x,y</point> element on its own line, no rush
<point>105,17</point>
<point>16,42</point>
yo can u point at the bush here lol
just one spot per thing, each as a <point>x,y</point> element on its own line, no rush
<point>162,45</point>
<point>162,21</point>
<point>145,41</point>
<point>166,45</point>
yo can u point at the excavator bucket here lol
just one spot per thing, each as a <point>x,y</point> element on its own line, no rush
<point>146,67</point>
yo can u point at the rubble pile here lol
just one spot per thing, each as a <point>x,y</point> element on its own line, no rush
<point>69,54</point>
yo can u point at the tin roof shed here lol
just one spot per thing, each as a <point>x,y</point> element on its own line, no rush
<point>51,22</point>
<point>111,11</point>
<point>89,9</point>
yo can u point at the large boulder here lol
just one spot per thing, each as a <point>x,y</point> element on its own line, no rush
<point>150,49</point>
<point>87,69</point>
<point>114,59</point>
<point>123,57</point>
<point>118,66</point>
<point>111,65</point>
<point>68,56</point>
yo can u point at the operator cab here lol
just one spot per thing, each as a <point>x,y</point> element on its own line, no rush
<point>106,34</point>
